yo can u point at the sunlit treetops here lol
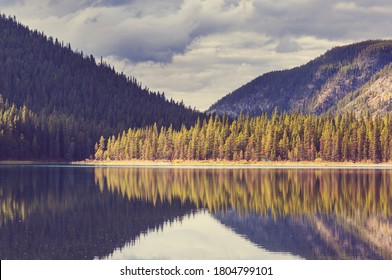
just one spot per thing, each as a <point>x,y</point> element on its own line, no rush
<point>282,136</point>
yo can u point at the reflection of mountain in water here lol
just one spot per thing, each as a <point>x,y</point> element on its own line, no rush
<point>60,214</point>
<point>347,213</point>
<point>310,238</point>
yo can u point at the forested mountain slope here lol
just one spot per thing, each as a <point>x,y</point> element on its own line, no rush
<point>319,85</point>
<point>73,98</point>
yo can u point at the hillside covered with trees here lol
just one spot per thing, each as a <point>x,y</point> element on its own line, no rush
<point>56,102</point>
<point>293,137</point>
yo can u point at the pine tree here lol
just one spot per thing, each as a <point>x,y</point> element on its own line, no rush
<point>375,144</point>
<point>99,149</point>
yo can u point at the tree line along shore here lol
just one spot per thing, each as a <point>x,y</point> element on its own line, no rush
<point>280,137</point>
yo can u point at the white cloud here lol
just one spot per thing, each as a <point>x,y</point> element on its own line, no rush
<point>287,45</point>
<point>346,6</point>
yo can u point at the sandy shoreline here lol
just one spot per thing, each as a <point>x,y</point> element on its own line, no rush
<point>208,163</point>
<point>240,164</point>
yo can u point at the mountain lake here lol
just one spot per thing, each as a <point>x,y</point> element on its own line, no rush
<point>88,212</point>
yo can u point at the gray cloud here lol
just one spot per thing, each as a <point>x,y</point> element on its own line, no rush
<point>92,20</point>
<point>105,28</point>
<point>114,2</point>
<point>6,3</point>
<point>150,30</point>
<point>287,45</point>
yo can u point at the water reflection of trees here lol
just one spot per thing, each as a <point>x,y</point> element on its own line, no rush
<point>26,190</point>
<point>347,206</point>
<point>59,213</point>
<point>348,193</point>
<point>82,213</point>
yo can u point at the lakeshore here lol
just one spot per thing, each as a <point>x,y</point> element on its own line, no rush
<point>207,163</point>
<point>237,164</point>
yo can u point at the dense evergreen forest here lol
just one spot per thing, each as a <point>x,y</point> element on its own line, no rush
<point>293,137</point>
<point>27,135</point>
<point>60,100</point>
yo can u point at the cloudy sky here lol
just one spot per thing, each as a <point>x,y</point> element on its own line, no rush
<point>200,50</point>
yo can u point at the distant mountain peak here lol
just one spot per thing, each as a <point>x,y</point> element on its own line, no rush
<point>318,86</point>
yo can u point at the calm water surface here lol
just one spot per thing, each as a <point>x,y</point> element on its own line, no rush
<point>73,212</point>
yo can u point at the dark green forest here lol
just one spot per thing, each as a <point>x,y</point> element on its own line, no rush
<point>60,100</point>
<point>281,136</point>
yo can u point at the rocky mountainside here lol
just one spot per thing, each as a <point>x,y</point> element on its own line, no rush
<point>375,96</point>
<point>356,76</point>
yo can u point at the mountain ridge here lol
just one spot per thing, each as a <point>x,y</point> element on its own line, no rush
<point>315,87</point>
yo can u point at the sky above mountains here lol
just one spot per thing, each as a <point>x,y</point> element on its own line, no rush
<point>200,50</point>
